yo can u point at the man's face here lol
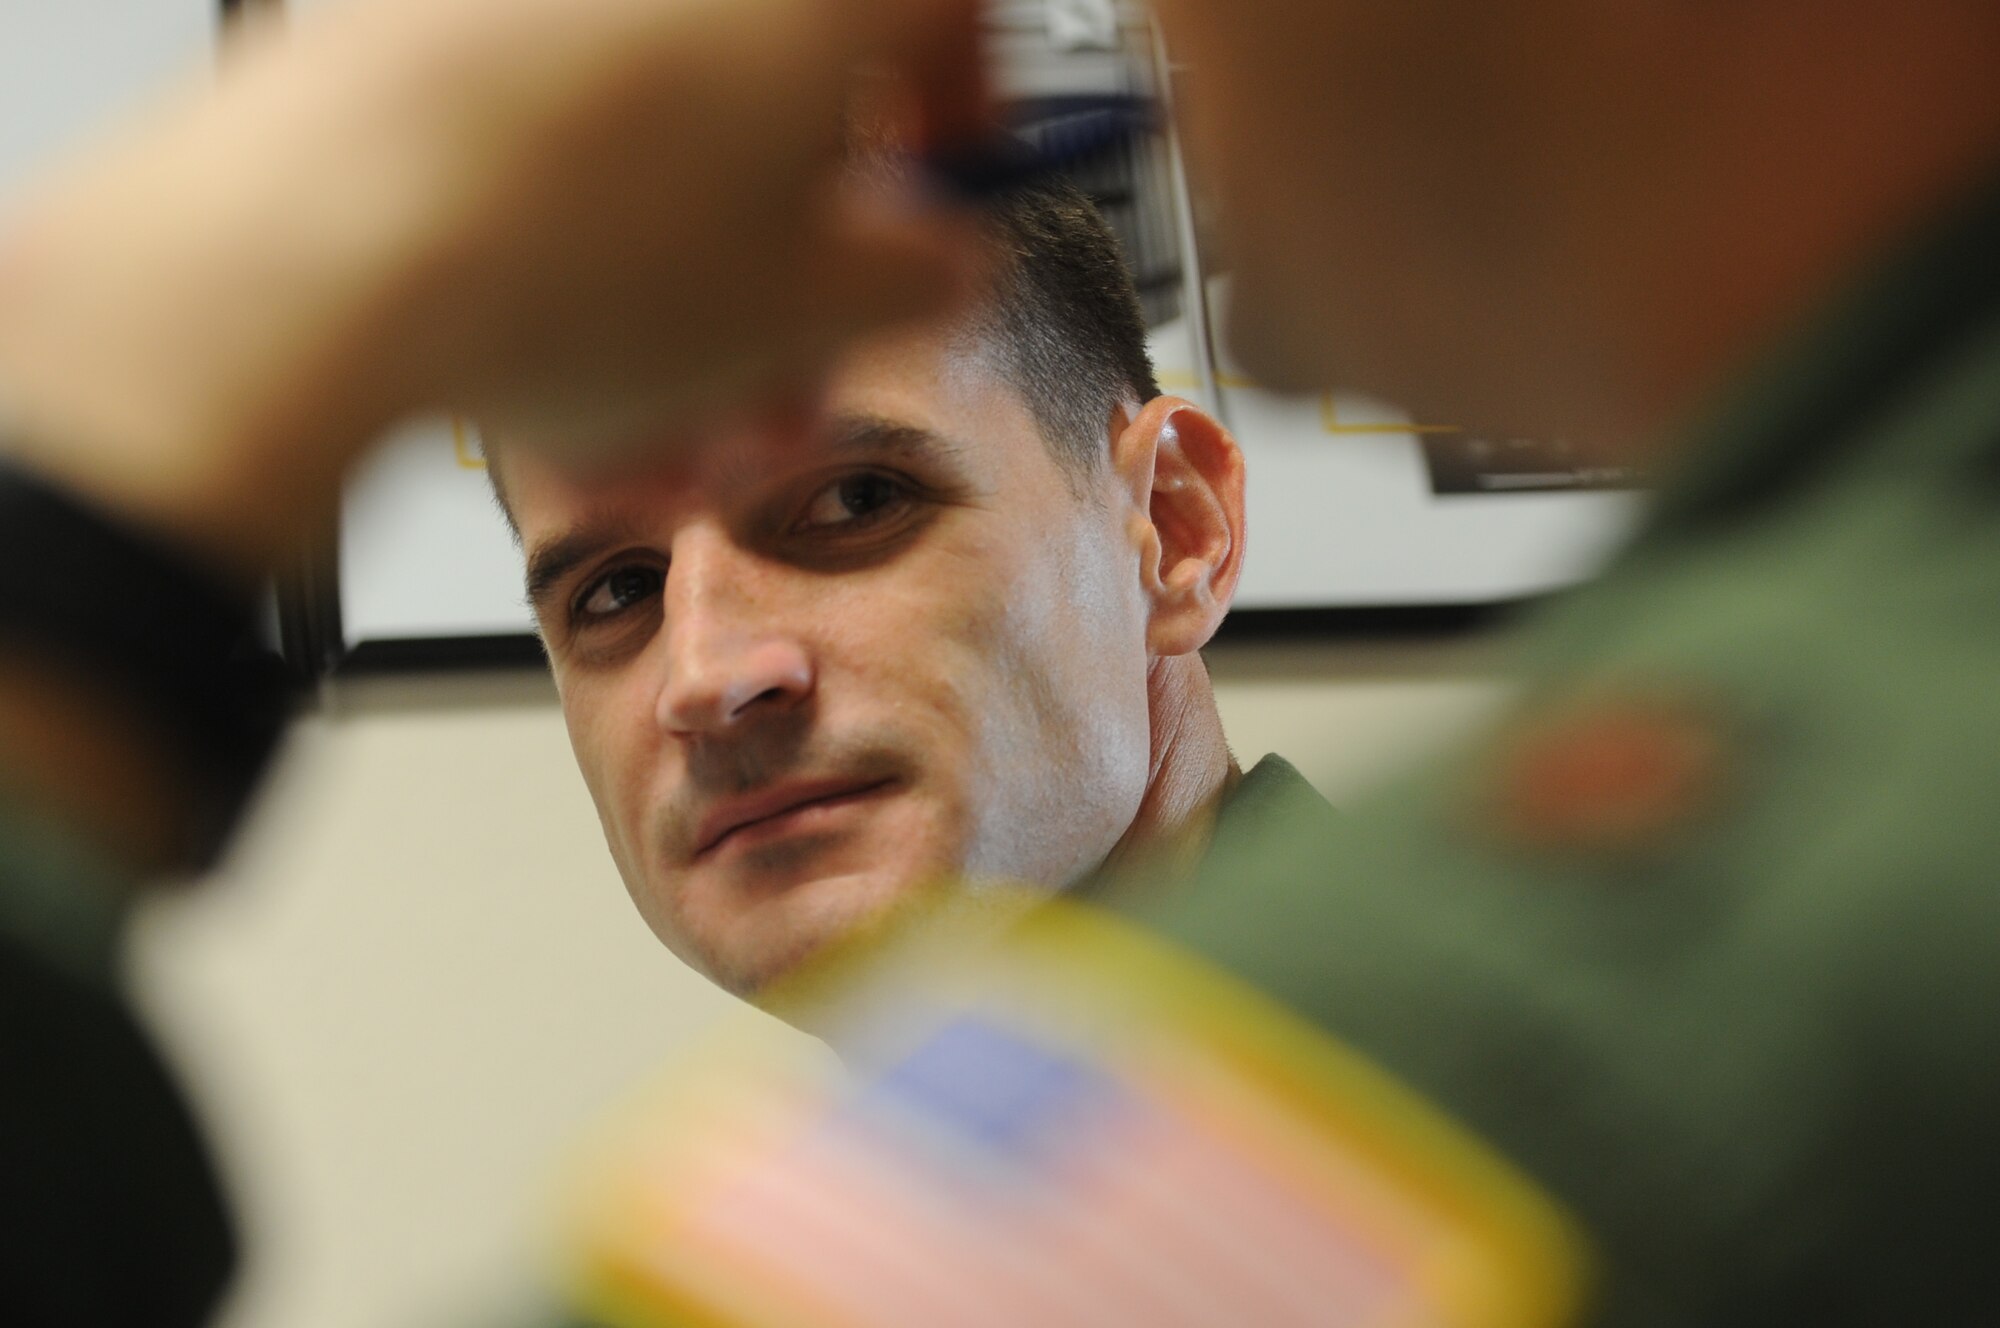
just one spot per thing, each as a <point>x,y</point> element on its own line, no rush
<point>803,677</point>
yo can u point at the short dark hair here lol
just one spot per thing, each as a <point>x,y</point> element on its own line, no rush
<point>1064,316</point>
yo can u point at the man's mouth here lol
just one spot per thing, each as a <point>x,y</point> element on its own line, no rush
<point>777,809</point>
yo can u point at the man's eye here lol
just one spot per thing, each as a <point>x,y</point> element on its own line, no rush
<point>853,499</point>
<point>618,591</point>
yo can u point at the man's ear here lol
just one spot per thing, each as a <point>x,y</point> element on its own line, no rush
<point>1184,476</point>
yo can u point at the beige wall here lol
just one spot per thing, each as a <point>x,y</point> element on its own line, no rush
<point>419,975</point>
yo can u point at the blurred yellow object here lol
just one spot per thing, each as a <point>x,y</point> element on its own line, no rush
<point>1059,1120</point>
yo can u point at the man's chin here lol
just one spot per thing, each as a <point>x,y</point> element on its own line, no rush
<point>782,935</point>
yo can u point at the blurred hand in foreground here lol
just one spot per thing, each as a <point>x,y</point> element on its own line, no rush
<point>583,220</point>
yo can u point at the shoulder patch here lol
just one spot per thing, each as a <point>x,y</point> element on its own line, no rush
<point>1076,1126</point>
<point>1616,777</point>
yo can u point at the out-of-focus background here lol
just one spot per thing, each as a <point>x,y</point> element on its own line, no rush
<point>419,976</point>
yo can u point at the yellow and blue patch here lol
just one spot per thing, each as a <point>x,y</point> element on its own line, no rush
<point>1069,1124</point>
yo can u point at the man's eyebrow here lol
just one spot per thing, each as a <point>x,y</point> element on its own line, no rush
<point>551,560</point>
<point>850,431</point>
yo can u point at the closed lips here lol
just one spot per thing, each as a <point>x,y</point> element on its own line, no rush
<point>741,813</point>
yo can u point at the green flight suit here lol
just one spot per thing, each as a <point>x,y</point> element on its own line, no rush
<point>1705,935</point>
<point>110,1212</point>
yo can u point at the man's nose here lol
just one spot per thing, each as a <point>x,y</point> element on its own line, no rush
<point>730,655</point>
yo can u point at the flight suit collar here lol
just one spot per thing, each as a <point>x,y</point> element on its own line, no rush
<point>1273,789</point>
<point>1271,802</point>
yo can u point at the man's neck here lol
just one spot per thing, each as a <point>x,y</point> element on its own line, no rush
<point>1189,770</point>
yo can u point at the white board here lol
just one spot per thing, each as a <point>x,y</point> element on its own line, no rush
<point>424,552</point>
<point>1343,511</point>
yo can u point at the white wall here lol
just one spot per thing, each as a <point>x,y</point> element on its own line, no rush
<point>420,974</point>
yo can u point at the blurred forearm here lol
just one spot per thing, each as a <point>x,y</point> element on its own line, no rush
<point>194,318</point>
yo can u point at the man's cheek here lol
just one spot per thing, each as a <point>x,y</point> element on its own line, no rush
<point>941,823</point>
<point>618,779</point>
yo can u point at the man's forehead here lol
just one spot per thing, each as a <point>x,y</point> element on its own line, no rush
<point>544,495</point>
<point>542,492</point>
<point>941,360</point>
<point>565,519</point>
<point>932,396</point>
